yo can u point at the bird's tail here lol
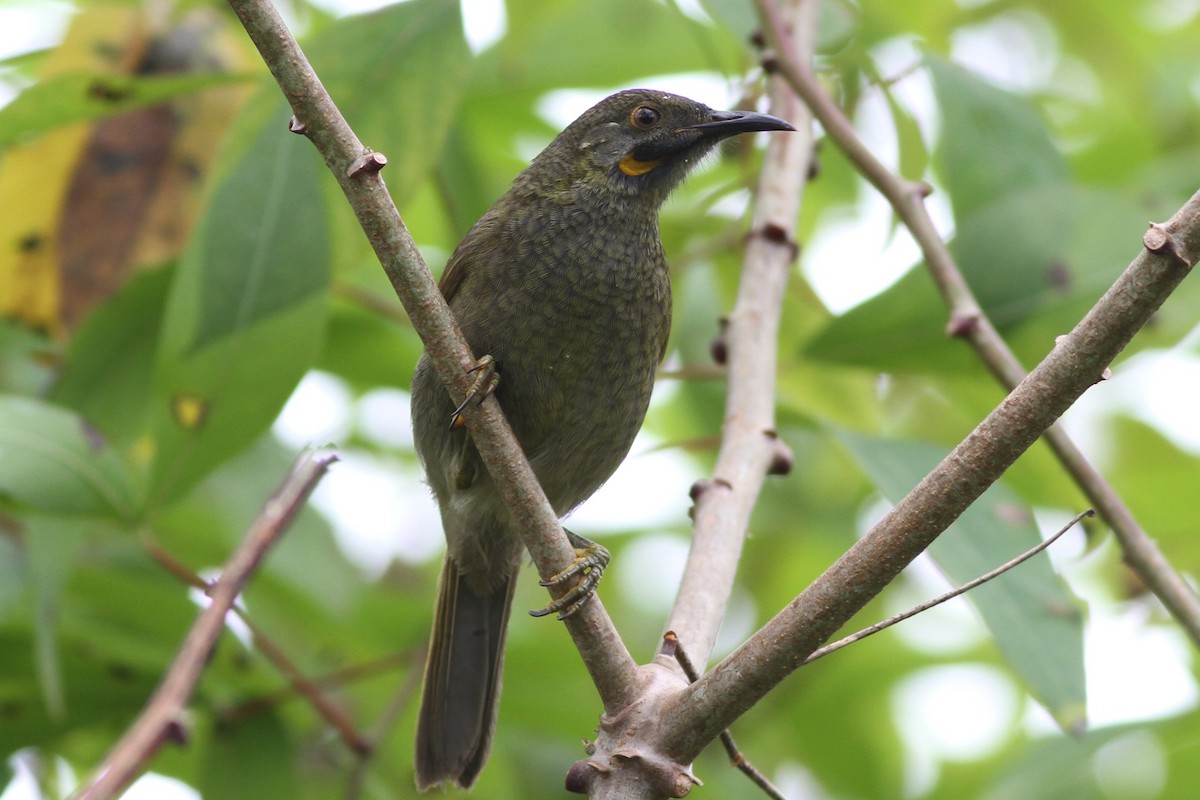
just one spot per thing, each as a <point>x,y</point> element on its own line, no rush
<point>462,680</point>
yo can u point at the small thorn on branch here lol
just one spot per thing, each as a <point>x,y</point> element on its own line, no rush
<point>579,776</point>
<point>670,643</point>
<point>718,348</point>
<point>367,163</point>
<point>777,234</point>
<point>176,731</point>
<point>703,485</point>
<point>782,458</point>
<point>1157,239</point>
<point>962,324</point>
<point>296,126</point>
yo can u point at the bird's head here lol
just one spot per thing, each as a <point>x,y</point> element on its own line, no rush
<point>643,142</point>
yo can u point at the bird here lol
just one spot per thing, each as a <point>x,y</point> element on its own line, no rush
<point>563,291</point>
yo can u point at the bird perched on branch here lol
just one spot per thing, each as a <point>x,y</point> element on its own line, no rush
<point>563,291</point>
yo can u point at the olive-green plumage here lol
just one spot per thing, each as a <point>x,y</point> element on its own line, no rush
<point>564,283</point>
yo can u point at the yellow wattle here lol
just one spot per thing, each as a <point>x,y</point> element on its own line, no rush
<point>632,167</point>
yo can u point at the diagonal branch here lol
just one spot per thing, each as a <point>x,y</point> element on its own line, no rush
<point>1077,361</point>
<point>749,447</point>
<point>298,682</point>
<point>162,719</point>
<point>968,320</point>
<point>356,169</point>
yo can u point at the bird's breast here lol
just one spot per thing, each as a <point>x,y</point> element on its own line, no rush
<point>578,326</point>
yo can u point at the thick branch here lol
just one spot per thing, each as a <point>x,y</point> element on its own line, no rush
<point>749,445</point>
<point>162,719</point>
<point>1077,361</point>
<point>357,172</point>
<point>967,319</point>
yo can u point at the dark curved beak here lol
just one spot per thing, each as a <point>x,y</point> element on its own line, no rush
<point>731,123</point>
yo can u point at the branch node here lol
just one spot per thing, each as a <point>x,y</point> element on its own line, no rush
<point>670,645</point>
<point>777,234</point>
<point>782,458</point>
<point>703,485</point>
<point>814,164</point>
<point>684,781</point>
<point>296,126</point>
<point>177,732</point>
<point>1158,239</point>
<point>367,163</point>
<point>718,348</point>
<point>963,323</point>
<point>579,776</point>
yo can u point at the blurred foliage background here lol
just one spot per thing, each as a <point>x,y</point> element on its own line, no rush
<point>174,264</point>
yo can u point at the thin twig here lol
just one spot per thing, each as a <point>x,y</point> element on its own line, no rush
<point>671,649</point>
<point>300,683</point>
<point>968,320</point>
<point>950,595</point>
<point>162,719</point>
<point>612,668</point>
<point>329,680</point>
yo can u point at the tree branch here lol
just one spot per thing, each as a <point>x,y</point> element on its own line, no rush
<point>749,446</point>
<point>624,761</point>
<point>356,169</point>
<point>968,320</point>
<point>1077,361</point>
<point>162,719</point>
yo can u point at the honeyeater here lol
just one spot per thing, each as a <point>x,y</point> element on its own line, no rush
<point>563,292</point>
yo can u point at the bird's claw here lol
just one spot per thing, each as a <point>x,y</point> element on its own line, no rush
<point>587,569</point>
<point>486,381</point>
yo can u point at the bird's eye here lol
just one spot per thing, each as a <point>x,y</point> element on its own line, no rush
<point>645,117</point>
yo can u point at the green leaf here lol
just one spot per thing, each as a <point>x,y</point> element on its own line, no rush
<point>910,144</point>
<point>109,372</point>
<point>1017,215</point>
<point>551,45</point>
<point>1030,611</point>
<point>12,576</point>
<point>1145,467</point>
<point>397,75</point>
<point>359,341</point>
<point>992,142</point>
<point>60,100</point>
<point>51,460</point>
<point>52,545</point>
<point>1011,249</point>
<point>252,760</point>
<point>246,310</point>
<point>902,329</point>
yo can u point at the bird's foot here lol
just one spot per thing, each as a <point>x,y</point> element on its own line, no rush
<point>486,381</point>
<point>589,564</point>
